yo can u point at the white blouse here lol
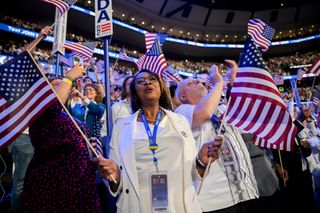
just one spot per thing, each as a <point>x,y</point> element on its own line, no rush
<point>169,156</point>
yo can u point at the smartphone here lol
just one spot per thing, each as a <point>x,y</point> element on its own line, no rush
<point>76,60</point>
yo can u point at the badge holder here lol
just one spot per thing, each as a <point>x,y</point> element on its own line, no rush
<point>158,182</point>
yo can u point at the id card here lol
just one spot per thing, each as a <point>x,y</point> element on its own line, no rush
<point>226,154</point>
<point>158,182</point>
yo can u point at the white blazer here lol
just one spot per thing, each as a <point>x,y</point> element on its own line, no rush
<point>122,152</point>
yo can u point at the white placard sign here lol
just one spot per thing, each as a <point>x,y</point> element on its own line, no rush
<point>60,30</point>
<point>103,19</point>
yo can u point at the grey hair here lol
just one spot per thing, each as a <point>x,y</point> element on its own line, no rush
<point>179,90</point>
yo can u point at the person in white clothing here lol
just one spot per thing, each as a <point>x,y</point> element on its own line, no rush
<point>122,108</point>
<point>153,154</point>
<point>231,180</point>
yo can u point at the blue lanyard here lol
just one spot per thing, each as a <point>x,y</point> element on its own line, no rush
<point>153,146</point>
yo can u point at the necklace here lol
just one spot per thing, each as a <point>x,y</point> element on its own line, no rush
<point>152,120</point>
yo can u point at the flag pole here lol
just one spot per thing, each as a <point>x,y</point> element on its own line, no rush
<point>68,113</point>
<point>314,81</point>
<point>206,172</point>
<point>115,63</point>
<point>107,85</point>
<point>281,167</point>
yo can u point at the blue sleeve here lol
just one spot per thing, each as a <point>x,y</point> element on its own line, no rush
<point>96,109</point>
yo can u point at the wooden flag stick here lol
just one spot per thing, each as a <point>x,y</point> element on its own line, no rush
<point>281,167</point>
<point>206,172</point>
<point>314,81</point>
<point>70,116</point>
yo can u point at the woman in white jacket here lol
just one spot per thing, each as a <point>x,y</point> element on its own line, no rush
<point>153,154</point>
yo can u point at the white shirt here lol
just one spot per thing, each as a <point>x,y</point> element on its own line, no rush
<point>120,110</point>
<point>218,190</point>
<point>169,144</point>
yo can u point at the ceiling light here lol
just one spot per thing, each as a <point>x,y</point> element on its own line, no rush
<point>281,4</point>
<point>180,31</point>
<point>132,19</point>
<point>171,30</point>
<point>162,28</point>
<point>152,26</point>
<point>197,35</point>
<point>89,2</point>
<point>207,35</point>
<point>188,33</point>
<point>142,23</point>
<point>123,15</point>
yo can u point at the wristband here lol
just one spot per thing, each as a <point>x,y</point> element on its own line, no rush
<point>69,77</point>
<point>67,81</point>
<point>199,163</point>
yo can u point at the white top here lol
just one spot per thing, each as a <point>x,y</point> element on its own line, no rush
<point>219,190</point>
<point>120,110</point>
<point>169,144</point>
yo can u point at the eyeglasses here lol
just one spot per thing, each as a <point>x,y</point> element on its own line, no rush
<point>142,81</point>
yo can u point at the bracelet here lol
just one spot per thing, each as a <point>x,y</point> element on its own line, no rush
<point>199,163</point>
<point>69,77</point>
<point>67,81</point>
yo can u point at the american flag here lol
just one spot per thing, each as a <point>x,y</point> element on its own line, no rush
<point>150,39</point>
<point>261,33</point>
<point>255,102</point>
<point>84,50</point>
<point>140,62</point>
<point>97,145</point>
<point>67,60</point>
<point>62,5</point>
<point>278,80</point>
<point>106,27</point>
<point>208,83</point>
<point>171,75</point>
<point>100,66</point>
<point>154,60</point>
<point>286,145</point>
<point>24,95</point>
<point>316,102</point>
<point>123,56</point>
<point>315,68</point>
<point>300,74</point>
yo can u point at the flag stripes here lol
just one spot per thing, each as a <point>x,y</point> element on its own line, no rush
<point>61,5</point>
<point>255,103</point>
<point>286,145</point>
<point>80,49</point>
<point>16,118</point>
<point>261,33</point>
<point>150,39</point>
<point>315,67</point>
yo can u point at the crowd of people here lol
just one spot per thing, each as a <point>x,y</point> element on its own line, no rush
<point>277,65</point>
<point>169,150</point>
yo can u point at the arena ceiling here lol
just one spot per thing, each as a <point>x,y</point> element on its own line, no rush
<point>198,17</point>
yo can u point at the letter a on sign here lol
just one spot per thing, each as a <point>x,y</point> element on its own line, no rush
<point>103,19</point>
